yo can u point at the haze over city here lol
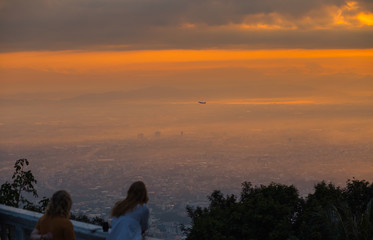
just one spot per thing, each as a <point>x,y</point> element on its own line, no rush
<point>98,94</point>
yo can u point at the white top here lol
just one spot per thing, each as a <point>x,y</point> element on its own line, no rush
<point>130,225</point>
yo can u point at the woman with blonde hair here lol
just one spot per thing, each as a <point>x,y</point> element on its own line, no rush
<point>55,223</point>
<point>130,215</point>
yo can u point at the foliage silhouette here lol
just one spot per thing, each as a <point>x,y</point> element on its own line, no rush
<point>11,194</point>
<point>264,212</point>
<point>277,211</point>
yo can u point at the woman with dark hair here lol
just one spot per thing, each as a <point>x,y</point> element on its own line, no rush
<point>130,215</point>
<point>55,223</point>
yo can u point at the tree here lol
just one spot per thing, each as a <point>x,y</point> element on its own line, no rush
<point>23,182</point>
<point>264,212</point>
<point>354,214</point>
<point>316,218</point>
<point>277,212</point>
<point>11,194</point>
<point>269,212</point>
<point>338,213</point>
<point>212,222</point>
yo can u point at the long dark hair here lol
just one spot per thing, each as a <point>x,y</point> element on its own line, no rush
<point>59,205</point>
<point>136,194</point>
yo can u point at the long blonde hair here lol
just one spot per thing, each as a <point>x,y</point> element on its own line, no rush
<point>136,194</point>
<point>59,205</point>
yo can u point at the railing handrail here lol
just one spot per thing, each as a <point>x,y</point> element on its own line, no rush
<point>25,221</point>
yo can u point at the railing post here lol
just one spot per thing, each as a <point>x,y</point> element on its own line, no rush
<point>20,233</point>
<point>4,231</point>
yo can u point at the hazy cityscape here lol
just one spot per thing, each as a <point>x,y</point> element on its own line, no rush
<point>182,165</point>
<point>188,96</point>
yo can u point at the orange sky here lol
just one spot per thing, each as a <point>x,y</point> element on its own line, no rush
<point>84,61</point>
<point>80,61</point>
<point>72,62</point>
<point>50,47</point>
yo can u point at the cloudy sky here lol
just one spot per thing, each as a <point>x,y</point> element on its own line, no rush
<point>45,25</point>
<point>292,47</point>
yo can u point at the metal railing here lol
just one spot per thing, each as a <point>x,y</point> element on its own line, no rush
<point>17,224</point>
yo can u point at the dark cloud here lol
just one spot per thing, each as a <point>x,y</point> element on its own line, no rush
<point>141,24</point>
<point>366,4</point>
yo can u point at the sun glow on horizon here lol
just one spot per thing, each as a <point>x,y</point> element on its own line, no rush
<point>107,61</point>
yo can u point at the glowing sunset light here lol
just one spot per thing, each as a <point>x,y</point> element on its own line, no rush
<point>267,102</point>
<point>366,18</point>
<point>70,61</point>
<point>266,26</point>
<point>262,101</point>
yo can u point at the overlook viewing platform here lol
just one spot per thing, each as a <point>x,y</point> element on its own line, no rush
<point>17,224</point>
